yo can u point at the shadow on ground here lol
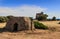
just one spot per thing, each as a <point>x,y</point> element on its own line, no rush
<point>3,30</point>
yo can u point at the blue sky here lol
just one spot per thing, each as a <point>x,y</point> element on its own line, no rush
<point>29,7</point>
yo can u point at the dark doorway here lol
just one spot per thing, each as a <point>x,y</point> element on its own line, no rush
<point>15,27</point>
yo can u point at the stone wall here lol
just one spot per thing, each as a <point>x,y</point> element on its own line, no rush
<point>24,23</point>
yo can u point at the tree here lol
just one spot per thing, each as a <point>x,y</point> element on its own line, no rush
<point>53,18</point>
<point>41,16</point>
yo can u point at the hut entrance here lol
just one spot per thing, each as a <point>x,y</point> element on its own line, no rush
<point>15,27</point>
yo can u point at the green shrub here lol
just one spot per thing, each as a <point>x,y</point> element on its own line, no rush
<point>3,19</point>
<point>39,25</point>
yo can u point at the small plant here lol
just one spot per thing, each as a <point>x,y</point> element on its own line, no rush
<point>59,23</point>
<point>39,25</point>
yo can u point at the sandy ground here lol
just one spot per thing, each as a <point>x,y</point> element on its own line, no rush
<point>37,34</point>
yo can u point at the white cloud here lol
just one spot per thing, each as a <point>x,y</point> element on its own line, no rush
<point>24,10</point>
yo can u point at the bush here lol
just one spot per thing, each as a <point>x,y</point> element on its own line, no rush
<point>59,23</point>
<point>40,25</point>
<point>3,19</point>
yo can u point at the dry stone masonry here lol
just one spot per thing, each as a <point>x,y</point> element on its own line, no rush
<point>19,23</point>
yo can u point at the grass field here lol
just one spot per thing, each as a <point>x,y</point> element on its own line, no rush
<point>51,23</point>
<point>37,34</point>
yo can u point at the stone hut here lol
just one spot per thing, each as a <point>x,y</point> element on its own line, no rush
<point>19,23</point>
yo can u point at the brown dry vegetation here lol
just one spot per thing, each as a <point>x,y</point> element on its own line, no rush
<point>51,23</point>
<point>37,34</point>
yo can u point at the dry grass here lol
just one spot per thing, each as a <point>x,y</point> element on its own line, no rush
<point>51,23</point>
<point>2,25</point>
<point>37,34</point>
